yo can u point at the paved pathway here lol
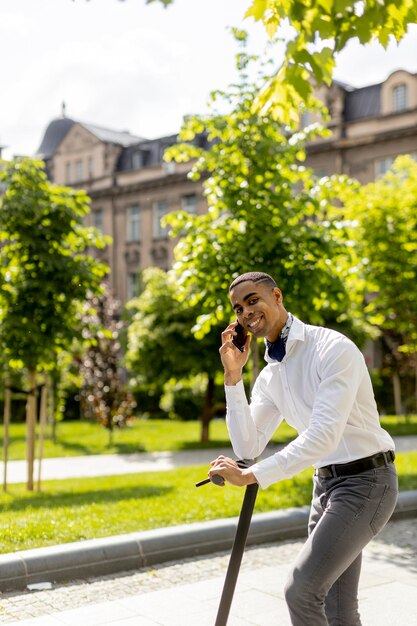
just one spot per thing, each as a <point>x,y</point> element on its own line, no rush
<point>187,593</point>
<point>112,464</point>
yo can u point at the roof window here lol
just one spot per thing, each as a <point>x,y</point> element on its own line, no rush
<point>399,97</point>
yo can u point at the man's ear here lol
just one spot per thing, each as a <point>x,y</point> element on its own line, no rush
<point>277,295</point>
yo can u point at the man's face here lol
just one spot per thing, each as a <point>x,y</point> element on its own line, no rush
<point>259,308</point>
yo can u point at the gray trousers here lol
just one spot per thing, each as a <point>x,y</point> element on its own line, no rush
<point>346,513</point>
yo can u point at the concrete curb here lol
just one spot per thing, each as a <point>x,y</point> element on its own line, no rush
<point>109,555</point>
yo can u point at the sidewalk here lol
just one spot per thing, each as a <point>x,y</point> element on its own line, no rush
<point>113,464</point>
<point>187,593</point>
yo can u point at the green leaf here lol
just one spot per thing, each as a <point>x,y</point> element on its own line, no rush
<point>257,9</point>
<point>327,5</point>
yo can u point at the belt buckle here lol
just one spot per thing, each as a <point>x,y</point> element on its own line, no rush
<point>326,472</point>
<point>389,456</point>
<point>333,471</point>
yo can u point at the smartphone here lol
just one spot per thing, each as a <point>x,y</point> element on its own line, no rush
<point>239,340</point>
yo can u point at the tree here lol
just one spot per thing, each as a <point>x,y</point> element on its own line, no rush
<point>320,30</point>
<point>386,228</point>
<point>161,344</point>
<point>103,392</point>
<point>45,273</point>
<point>266,211</point>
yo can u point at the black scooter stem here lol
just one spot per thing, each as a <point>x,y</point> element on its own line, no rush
<point>237,553</point>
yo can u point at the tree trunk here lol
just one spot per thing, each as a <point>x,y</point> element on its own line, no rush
<point>6,422</point>
<point>42,423</point>
<point>207,409</point>
<point>51,412</point>
<point>31,428</point>
<point>415,379</point>
<point>397,393</point>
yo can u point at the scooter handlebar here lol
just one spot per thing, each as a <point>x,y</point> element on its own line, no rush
<point>219,480</point>
<point>216,479</point>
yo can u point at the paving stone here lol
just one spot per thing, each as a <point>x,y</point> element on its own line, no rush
<point>199,580</point>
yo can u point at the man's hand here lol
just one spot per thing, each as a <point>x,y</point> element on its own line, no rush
<point>231,472</point>
<point>232,358</point>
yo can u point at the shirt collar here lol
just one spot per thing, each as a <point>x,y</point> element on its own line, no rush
<point>296,332</point>
<point>287,327</point>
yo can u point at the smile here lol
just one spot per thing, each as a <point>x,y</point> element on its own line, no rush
<point>254,325</point>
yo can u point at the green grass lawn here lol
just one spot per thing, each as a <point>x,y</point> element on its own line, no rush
<point>72,510</point>
<point>85,438</point>
<point>399,426</point>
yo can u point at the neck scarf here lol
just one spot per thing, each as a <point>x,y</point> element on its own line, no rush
<point>276,349</point>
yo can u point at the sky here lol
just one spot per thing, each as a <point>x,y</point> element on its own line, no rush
<point>137,67</point>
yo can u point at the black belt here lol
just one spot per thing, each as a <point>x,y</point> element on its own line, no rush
<point>356,467</point>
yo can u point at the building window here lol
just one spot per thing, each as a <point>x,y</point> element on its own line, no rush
<point>68,173</point>
<point>98,219</point>
<point>79,170</point>
<point>133,223</point>
<point>189,203</point>
<point>160,208</point>
<point>168,167</point>
<point>90,167</point>
<point>132,285</point>
<point>399,97</point>
<point>383,165</point>
<point>137,160</point>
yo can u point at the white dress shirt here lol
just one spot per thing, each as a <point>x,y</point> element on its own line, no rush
<point>322,389</point>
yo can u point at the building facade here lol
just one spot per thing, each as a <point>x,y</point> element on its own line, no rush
<point>370,127</point>
<point>131,187</point>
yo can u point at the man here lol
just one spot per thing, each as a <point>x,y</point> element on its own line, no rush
<point>316,379</point>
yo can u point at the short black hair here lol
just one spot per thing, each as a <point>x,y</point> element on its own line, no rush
<point>254,277</point>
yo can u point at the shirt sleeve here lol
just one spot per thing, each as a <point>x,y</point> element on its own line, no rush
<point>341,372</point>
<point>250,427</point>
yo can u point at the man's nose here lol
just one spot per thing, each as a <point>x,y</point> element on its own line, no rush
<point>247,313</point>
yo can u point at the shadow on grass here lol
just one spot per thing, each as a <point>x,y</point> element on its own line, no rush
<point>401,426</point>
<point>206,445</point>
<point>112,448</point>
<point>98,496</point>
<point>127,448</point>
<point>401,430</point>
<point>74,446</point>
<point>21,439</point>
<point>225,443</point>
<point>407,482</point>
